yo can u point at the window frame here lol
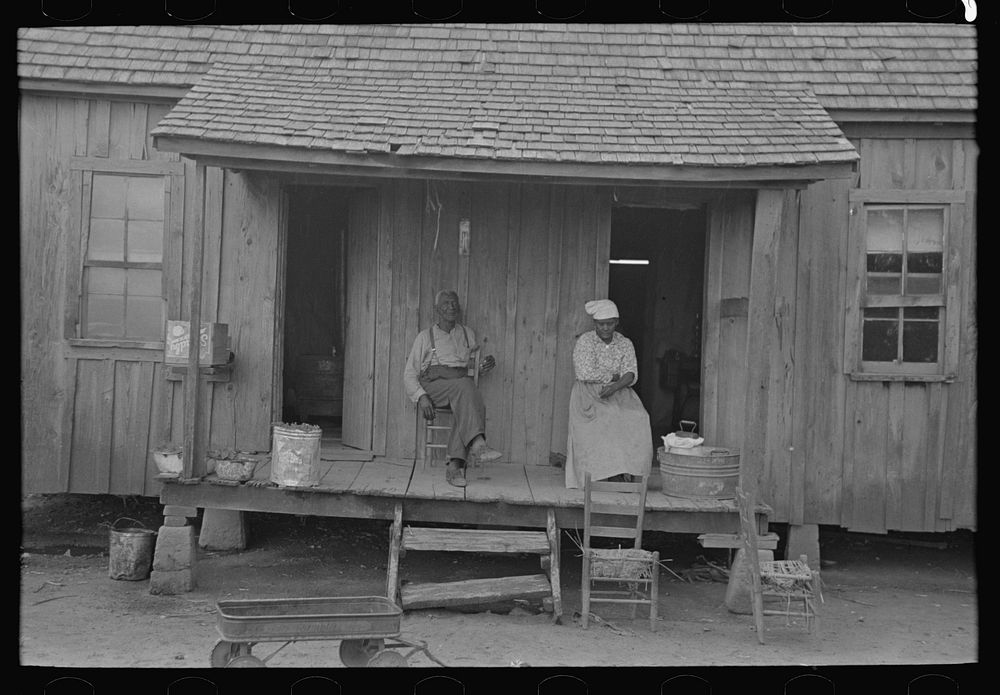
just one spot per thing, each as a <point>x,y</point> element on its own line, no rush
<point>83,170</point>
<point>860,201</point>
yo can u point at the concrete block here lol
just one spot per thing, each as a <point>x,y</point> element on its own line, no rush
<point>171,581</point>
<point>803,540</point>
<point>175,521</point>
<point>174,548</point>
<point>738,597</point>
<point>223,529</point>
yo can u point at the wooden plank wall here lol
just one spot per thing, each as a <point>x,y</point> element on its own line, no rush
<point>523,306</point>
<point>90,414</point>
<point>242,282</point>
<point>879,456</point>
<point>727,277</point>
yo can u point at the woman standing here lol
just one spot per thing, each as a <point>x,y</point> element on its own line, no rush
<point>609,432</point>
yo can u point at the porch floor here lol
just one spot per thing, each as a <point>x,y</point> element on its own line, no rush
<point>354,484</point>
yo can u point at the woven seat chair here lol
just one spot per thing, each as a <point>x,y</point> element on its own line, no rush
<point>432,444</point>
<point>633,568</point>
<point>779,587</point>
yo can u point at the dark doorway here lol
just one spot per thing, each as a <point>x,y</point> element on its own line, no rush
<point>313,374</point>
<point>657,279</point>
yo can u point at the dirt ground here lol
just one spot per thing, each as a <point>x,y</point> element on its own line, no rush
<point>901,599</point>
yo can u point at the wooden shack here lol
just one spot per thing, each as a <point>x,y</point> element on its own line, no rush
<point>802,198</point>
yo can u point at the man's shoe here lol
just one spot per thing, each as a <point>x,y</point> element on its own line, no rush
<point>454,476</point>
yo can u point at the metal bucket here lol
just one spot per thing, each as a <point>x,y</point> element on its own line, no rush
<point>701,472</point>
<point>295,456</point>
<point>130,551</point>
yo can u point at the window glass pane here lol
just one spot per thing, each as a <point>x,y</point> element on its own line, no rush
<point>880,340</point>
<point>145,198</point>
<point>107,197</point>
<point>885,263</point>
<point>144,283</point>
<point>105,316</point>
<point>885,230</point>
<point>923,262</point>
<point>144,318</point>
<point>920,341</point>
<point>920,312</point>
<point>925,230</point>
<point>923,284</point>
<point>106,281</point>
<point>885,285</point>
<point>145,241</point>
<point>107,240</point>
<point>882,313</point>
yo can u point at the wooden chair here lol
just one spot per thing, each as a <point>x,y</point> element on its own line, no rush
<point>433,445</point>
<point>778,587</point>
<point>631,567</point>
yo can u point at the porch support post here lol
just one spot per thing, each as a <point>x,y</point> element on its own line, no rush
<point>773,207</point>
<point>194,437</point>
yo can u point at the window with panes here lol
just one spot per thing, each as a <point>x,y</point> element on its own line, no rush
<point>122,288</point>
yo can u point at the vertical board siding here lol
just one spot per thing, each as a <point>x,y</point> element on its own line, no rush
<point>130,434</point>
<point>44,194</point>
<point>818,441</point>
<point>784,481</point>
<point>728,274</point>
<point>383,315</point>
<point>248,259</point>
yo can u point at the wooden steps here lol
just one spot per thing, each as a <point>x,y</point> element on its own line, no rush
<point>475,540</point>
<point>476,591</point>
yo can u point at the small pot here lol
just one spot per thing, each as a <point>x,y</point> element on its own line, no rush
<point>169,462</point>
<point>239,469</point>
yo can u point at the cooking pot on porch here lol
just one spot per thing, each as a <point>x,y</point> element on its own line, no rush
<point>700,472</point>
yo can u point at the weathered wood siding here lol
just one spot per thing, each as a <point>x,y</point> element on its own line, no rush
<point>536,254</point>
<point>870,455</point>
<point>90,412</point>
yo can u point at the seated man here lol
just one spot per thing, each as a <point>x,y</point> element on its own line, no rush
<point>437,374</point>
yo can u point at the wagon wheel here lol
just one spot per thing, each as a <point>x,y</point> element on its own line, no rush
<point>245,661</point>
<point>357,652</point>
<point>223,652</point>
<point>388,659</point>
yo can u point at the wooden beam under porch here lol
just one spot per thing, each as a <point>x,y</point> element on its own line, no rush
<point>498,494</point>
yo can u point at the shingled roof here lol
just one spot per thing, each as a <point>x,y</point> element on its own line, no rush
<point>848,66</point>
<point>671,94</point>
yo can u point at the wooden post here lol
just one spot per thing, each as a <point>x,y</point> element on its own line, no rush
<point>392,573</point>
<point>553,532</point>
<point>771,207</point>
<point>194,438</point>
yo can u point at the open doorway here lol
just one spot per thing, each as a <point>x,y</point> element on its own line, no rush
<point>313,373</point>
<point>657,278</point>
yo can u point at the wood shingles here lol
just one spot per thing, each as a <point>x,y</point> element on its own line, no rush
<point>936,61</point>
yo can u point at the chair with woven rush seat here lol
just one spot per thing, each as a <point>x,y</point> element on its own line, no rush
<point>788,587</point>
<point>605,506</point>
<point>432,444</point>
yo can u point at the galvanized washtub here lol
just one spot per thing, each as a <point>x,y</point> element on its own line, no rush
<point>700,472</point>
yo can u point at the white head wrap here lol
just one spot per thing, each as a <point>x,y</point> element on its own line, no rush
<point>602,309</point>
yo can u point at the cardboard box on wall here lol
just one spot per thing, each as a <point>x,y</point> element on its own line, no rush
<point>213,343</point>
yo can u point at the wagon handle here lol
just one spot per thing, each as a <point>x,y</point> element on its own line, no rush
<point>127,518</point>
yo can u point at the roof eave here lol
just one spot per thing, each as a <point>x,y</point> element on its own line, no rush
<point>152,92</point>
<point>291,159</point>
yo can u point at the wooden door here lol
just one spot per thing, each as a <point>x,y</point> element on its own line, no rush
<point>359,319</point>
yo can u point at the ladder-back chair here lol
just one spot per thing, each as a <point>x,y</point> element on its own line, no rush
<point>778,587</point>
<point>432,444</point>
<point>615,510</point>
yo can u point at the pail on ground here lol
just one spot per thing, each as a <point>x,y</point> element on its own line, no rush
<point>130,551</point>
<point>701,472</point>
<point>295,455</point>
